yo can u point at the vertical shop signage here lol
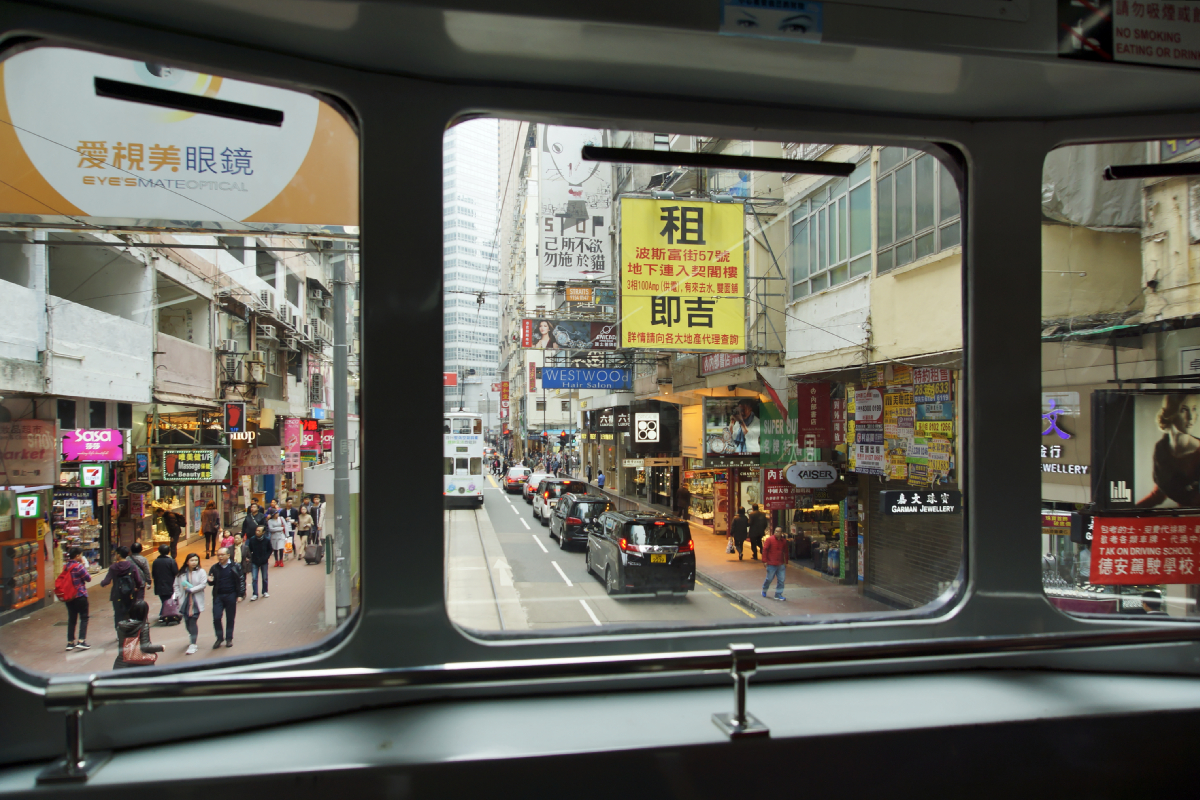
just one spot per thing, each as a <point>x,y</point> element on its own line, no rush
<point>778,493</point>
<point>682,275</point>
<point>779,433</point>
<point>814,431</point>
<point>837,407</point>
<point>532,376</point>
<point>1145,550</point>
<point>504,400</point>
<point>235,417</point>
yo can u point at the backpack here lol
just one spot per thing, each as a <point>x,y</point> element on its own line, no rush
<point>64,585</point>
<point>126,586</point>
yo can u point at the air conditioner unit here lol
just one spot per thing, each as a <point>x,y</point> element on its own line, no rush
<point>265,332</point>
<point>315,294</point>
<point>306,332</point>
<point>327,302</point>
<point>232,368</point>
<point>315,394</point>
<point>266,302</point>
<point>291,343</point>
<point>229,346</point>
<point>284,313</point>
<point>256,372</point>
<point>255,356</point>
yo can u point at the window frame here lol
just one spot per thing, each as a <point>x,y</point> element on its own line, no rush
<point>830,219</point>
<point>888,254</point>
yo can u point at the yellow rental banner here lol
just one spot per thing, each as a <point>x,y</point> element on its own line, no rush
<point>683,275</point>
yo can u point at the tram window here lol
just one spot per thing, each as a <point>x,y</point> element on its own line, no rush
<point>462,426</point>
<point>477,426</point>
<point>448,466</point>
<point>183,325</point>
<point>461,463</point>
<point>1120,457</point>
<point>675,256</point>
<point>476,466</point>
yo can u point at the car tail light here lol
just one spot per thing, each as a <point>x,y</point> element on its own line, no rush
<point>626,547</point>
<point>688,547</point>
<point>546,494</point>
<point>574,521</point>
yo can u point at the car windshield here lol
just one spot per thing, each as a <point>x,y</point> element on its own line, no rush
<point>659,533</point>
<point>589,511</point>
<point>516,472</point>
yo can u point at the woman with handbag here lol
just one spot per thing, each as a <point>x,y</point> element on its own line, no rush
<point>136,649</point>
<point>189,591</point>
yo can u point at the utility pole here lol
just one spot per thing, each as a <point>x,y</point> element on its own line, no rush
<point>341,444</point>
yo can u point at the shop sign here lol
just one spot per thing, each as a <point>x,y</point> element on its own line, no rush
<point>504,400</point>
<point>29,506</point>
<point>607,419</point>
<point>292,434</point>
<point>664,462</point>
<point>868,405</point>
<point>935,411</point>
<point>92,476</point>
<point>563,334</point>
<point>682,275</point>
<point>560,378</point>
<point>778,491</point>
<point>633,463</point>
<point>779,437</point>
<point>234,417</point>
<point>811,475</point>
<point>712,363</point>
<point>139,487</point>
<point>188,465</point>
<point>623,418</point>
<point>815,420</point>
<point>29,451</point>
<point>837,407</point>
<point>940,501</point>
<point>899,375</point>
<point>327,439</point>
<point>93,444</point>
<point>142,464</point>
<point>578,294</point>
<point>308,457</point>
<point>532,376</point>
<point>873,377</point>
<point>870,459</point>
<point>1145,550</point>
<point>1057,523</point>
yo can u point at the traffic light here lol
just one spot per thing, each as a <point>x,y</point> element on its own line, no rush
<point>563,439</point>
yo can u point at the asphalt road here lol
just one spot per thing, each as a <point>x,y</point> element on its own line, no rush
<point>555,590</point>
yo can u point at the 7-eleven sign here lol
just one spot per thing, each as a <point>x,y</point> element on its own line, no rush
<point>91,476</point>
<point>28,506</point>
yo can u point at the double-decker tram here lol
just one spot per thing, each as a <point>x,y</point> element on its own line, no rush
<point>462,459</point>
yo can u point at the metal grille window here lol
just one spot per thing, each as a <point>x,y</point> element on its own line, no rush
<point>831,234</point>
<point>917,210</point>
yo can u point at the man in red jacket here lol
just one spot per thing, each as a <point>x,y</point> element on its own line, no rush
<point>775,556</point>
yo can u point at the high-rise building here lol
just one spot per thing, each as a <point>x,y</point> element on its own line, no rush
<point>469,208</point>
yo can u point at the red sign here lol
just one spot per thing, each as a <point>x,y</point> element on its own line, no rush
<point>327,439</point>
<point>532,376</point>
<point>495,387</point>
<point>504,400</point>
<point>1145,550</point>
<point>777,492</point>
<point>838,414</point>
<point>449,379</point>
<point>814,423</point>
<point>308,434</point>
<point>721,362</point>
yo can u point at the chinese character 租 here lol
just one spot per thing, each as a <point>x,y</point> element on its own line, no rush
<point>686,221</point>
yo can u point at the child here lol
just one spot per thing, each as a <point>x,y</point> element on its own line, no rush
<point>135,627</point>
<point>227,541</point>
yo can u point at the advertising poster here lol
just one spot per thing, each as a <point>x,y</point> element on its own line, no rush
<point>292,434</point>
<point>1145,550</point>
<point>30,452</point>
<point>195,466</point>
<point>682,275</point>
<point>552,334</point>
<point>779,437</point>
<point>575,213</point>
<point>732,426</point>
<point>778,492</point>
<point>1144,450</point>
<point>139,161</point>
<point>532,376</point>
<point>99,444</point>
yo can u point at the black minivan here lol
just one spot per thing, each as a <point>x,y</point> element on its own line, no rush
<point>641,552</point>
<point>572,514</point>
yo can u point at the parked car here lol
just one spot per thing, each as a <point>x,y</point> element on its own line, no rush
<point>531,485</point>
<point>548,492</point>
<point>572,514</point>
<point>514,481</point>
<point>639,551</point>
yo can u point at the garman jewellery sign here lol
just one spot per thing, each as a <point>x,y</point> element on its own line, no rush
<point>916,502</point>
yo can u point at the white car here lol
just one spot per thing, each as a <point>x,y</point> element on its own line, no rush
<point>531,485</point>
<point>548,492</point>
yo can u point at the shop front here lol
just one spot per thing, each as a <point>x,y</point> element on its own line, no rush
<point>654,436</point>
<point>26,560</point>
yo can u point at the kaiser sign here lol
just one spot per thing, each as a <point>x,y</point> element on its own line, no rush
<point>811,475</point>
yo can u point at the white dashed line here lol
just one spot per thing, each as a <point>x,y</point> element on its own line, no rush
<point>523,522</point>
<point>514,510</point>
<point>563,574</point>
<point>539,541</point>
<point>588,609</point>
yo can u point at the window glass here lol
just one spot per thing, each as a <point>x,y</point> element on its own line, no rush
<point>447,466</point>
<point>950,235</point>
<point>925,192</point>
<point>904,202</point>
<point>947,195</point>
<point>187,262</point>
<point>476,465</point>
<point>633,300</point>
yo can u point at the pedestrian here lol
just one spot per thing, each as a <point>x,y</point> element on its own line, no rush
<point>173,522</point>
<point>683,500</point>
<point>189,592</point>
<point>775,557</point>
<point>260,559</point>
<point>227,540</point>
<point>164,570</point>
<point>600,479</point>
<point>253,519</point>
<point>738,530</point>
<point>77,606</point>
<point>127,586</point>
<point>304,528</point>
<point>758,527</point>
<point>290,515</point>
<point>241,553</point>
<point>589,472</point>
<point>278,532</point>
<point>134,635</point>
<point>229,587</point>
<point>210,526</point>
<point>318,513</point>
<point>135,555</point>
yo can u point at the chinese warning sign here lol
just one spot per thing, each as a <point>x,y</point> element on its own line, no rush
<point>682,275</point>
<point>1145,550</point>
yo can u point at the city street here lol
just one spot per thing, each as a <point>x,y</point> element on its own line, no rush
<point>506,573</point>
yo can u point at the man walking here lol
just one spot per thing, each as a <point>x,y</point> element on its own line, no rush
<point>163,570</point>
<point>127,586</point>
<point>775,557</point>
<point>758,527</point>
<point>174,524</point>
<point>600,479</point>
<point>260,559</point>
<point>229,587</point>
<point>683,500</point>
<point>738,530</point>
<point>254,519</point>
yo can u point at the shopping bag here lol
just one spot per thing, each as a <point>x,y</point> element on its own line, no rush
<point>287,546</point>
<point>729,548</point>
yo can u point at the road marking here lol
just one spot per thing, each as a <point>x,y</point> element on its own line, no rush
<point>539,541</point>
<point>507,499</point>
<point>492,480</point>
<point>523,522</point>
<point>506,574</point>
<point>514,509</point>
<point>588,609</point>
<point>563,574</point>
<point>744,611</point>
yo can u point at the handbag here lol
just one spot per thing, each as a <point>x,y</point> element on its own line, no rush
<point>729,548</point>
<point>131,651</point>
<point>171,608</point>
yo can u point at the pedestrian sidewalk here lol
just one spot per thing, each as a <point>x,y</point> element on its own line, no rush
<point>293,616</point>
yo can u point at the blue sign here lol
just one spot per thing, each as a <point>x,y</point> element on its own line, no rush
<point>564,378</point>
<point>934,411</point>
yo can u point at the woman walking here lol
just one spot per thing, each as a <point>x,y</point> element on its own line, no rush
<point>77,606</point>
<point>189,591</point>
<point>134,634</point>
<point>210,524</point>
<point>277,530</point>
<point>304,528</point>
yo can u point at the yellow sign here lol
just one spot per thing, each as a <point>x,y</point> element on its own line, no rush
<point>683,275</point>
<point>931,428</point>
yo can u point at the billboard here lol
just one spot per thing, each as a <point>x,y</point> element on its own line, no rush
<point>732,426</point>
<point>194,466</point>
<point>1144,450</point>
<point>568,378</point>
<point>95,444</point>
<point>28,452</point>
<point>683,275</point>
<point>556,334</point>
<point>575,207</point>
<point>90,156</point>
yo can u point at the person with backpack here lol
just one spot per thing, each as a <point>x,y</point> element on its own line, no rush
<point>133,634</point>
<point>135,555</point>
<point>228,584</point>
<point>189,591</point>
<point>127,586</point>
<point>163,570</point>
<point>74,591</point>
<point>253,519</point>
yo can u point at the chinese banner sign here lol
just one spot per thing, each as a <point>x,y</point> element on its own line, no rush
<point>532,376</point>
<point>575,207</point>
<point>30,450</point>
<point>682,275</point>
<point>1145,550</point>
<point>504,400</point>
<point>778,493</point>
<point>815,422</point>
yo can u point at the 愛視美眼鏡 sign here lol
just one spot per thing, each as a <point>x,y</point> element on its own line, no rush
<point>682,275</point>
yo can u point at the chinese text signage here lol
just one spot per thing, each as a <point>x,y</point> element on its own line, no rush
<point>188,465</point>
<point>682,275</point>
<point>1145,550</point>
<point>29,452</point>
<point>711,363</point>
<point>778,493</point>
<point>575,199</point>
